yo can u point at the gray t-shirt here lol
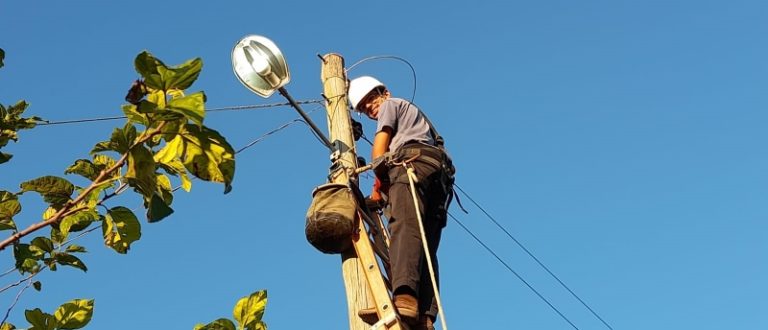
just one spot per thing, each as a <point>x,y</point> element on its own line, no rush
<point>406,121</point>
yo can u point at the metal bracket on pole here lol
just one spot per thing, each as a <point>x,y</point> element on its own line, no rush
<point>385,321</point>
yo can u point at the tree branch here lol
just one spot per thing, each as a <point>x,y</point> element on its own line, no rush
<point>66,210</point>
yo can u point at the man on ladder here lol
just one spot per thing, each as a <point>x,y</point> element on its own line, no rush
<point>409,153</point>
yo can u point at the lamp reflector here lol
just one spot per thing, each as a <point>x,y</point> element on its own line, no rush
<point>260,65</point>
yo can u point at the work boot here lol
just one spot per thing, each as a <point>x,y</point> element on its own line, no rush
<point>408,308</point>
<point>425,323</point>
<point>368,315</point>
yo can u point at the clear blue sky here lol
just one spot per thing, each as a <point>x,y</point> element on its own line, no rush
<point>622,141</point>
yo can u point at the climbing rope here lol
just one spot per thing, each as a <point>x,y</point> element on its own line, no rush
<point>411,179</point>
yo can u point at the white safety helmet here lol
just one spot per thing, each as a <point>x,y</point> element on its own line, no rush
<point>360,87</point>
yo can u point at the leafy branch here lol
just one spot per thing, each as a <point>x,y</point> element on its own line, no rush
<point>74,314</point>
<point>43,185</point>
<point>173,142</point>
<point>248,313</point>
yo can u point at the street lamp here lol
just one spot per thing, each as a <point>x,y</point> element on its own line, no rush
<point>261,67</point>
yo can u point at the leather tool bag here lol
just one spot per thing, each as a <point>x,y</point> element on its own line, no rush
<point>331,218</point>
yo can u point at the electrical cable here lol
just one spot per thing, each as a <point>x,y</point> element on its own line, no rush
<point>388,57</point>
<point>530,254</point>
<point>231,108</point>
<point>512,271</point>
<point>279,128</point>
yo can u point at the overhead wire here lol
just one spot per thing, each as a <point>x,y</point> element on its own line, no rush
<point>388,57</point>
<point>275,130</point>
<point>513,271</point>
<point>530,254</point>
<point>220,109</point>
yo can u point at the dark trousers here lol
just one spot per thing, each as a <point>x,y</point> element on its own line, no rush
<point>410,271</point>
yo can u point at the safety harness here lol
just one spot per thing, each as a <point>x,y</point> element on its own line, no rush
<point>436,156</point>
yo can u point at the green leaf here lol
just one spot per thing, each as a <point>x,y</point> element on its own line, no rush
<point>146,107</point>
<point>133,115</point>
<point>50,261</point>
<point>176,168</point>
<point>74,248</point>
<point>18,109</point>
<point>172,128</point>
<point>38,286</point>
<point>66,259</point>
<point>85,168</point>
<point>120,229</point>
<point>141,170</point>
<point>78,221</point>
<point>157,98</point>
<point>115,143</point>
<point>159,76</point>
<point>170,151</point>
<point>103,161</point>
<point>249,310</point>
<point>164,188</point>
<point>147,65</point>
<point>57,236</point>
<point>168,160</point>
<point>129,134</point>
<point>74,314</point>
<point>5,157</point>
<point>191,106</point>
<point>7,224</point>
<point>120,141</point>
<point>43,243</point>
<point>158,209</point>
<point>207,155</point>
<point>220,324</point>
<point>49,213</point>
<point>30,266</point>
<point>260,326</point>
<point>183,75</point>
<point>9,206</point>
<point>40,320</point>
<point>27,257</point>
<point>55,190</point>
<point>94,196</point>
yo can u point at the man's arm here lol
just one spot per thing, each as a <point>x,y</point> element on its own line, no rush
<point>380,146</point>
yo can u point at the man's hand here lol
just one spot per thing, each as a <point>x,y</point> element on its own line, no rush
<point>378,189</point>
<point>374,205</point>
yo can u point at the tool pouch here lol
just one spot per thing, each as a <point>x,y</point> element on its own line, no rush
<point>331,218</point>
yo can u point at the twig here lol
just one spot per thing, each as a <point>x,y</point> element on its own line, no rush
<point>79,235</point>
<point>16,300</point>
<point>22,280</point>
<point>8,272</point>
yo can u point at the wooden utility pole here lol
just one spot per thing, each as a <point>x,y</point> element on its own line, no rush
<point>362,276</point>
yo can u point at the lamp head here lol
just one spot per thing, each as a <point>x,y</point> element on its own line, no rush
<point>260,65</point>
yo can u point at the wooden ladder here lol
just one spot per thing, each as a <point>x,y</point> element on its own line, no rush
<point>385,309</point>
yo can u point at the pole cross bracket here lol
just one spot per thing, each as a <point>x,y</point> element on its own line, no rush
<point>385,321</point>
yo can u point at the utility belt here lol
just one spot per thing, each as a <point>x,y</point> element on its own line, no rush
<point>411,152</point>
